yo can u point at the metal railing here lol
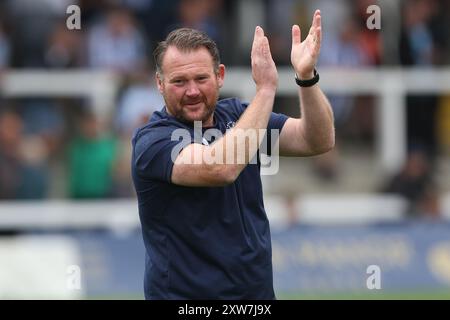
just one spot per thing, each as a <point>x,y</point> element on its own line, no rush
<point>390,85</point>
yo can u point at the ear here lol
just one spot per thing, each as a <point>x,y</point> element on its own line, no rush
<point>221,75</point>
<point>159,82</point>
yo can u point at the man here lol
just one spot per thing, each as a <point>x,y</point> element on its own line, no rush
<point>204,226</point>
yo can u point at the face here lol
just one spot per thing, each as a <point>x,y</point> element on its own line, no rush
<point>189,84</point>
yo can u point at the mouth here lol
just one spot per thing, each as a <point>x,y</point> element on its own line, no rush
<point>193,105</point>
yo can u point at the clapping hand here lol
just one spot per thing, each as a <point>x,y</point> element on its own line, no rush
<point>304,54</point>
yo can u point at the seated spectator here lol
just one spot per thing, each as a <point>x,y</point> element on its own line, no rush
<point>23,159</point>
<point>91,160</point>
<point>64,48</point>
<point>10,168</point>
<point>116,43</point>
<point>203,15</point>
<point>136,105</point>
<point>414,183</point>
<point>5,49</point>
<point>138,102</point>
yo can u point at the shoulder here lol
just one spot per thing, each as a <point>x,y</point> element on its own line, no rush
<point>233,107</point>
<point>159,127</point>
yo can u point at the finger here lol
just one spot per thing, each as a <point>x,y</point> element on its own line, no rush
<point>296,35</point>
<point>317,40</point>
<point>266,48</point>
<point>316,23</point>
<point>259,33</point>
<point>255,39</point>
<point>316,19</point>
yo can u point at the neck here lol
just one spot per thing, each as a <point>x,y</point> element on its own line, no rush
<point>209,123</point>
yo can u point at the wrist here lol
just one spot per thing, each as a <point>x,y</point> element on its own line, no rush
<point>309,81</point>
<point>266,90</point>
<point>305,75</point>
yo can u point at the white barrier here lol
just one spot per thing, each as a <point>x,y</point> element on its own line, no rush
<point>121,216</point>
<point>390,85</point>
<point>40,267</point>
<point>99,86</point>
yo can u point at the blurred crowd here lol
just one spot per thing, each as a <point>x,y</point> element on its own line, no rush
<point>46,141</point>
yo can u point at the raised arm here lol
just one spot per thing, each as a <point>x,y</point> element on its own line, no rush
<point>256,116</point>
<point>313,133</point>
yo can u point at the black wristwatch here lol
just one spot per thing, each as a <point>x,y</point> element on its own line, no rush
<point>309,82</point>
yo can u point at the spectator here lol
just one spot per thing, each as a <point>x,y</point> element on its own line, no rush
<point>282,16</point>
<point>369,39</point>
<point>23,159</point>
<point>5,48</point>
<point>33,21</point>
<point>417,47</point>
<point>91,160</point>
<point>342,49</point>
<point>202,15</point>
<point>414,183</point>
<point>10,168</point>
<point>64,48</point>
<point>139,100</point>
<point>116,43</point>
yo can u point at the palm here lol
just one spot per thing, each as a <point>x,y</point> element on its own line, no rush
<point>304,54</point>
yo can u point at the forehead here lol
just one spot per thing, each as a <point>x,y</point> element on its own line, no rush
<point>176,61</point>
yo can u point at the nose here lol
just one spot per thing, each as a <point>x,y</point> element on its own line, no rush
<point>192,89</point>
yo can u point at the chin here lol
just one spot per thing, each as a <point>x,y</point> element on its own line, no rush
<point>202,115</point>
<point>192,119</point>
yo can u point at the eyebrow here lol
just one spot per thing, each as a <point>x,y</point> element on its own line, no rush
<point>182,76</point>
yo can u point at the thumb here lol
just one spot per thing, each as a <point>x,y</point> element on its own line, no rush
<point>296,35</point>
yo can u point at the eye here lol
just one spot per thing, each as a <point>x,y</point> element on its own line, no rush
<point>202,78</point>
<point>178,82</point>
